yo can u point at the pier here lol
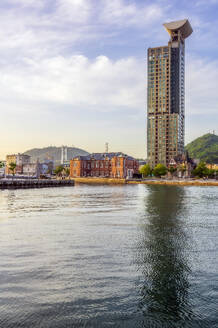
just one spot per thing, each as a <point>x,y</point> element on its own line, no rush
<point>34,183</point>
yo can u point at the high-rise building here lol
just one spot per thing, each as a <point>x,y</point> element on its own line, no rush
<point>165,97</point>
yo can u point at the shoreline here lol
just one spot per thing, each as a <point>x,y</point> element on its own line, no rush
<point>33,183</point>
<point>116,181</point>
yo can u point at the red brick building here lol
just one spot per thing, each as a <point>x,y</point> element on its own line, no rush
<point>109,165</point>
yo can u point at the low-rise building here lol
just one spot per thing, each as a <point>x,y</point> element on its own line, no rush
<point>31,169</point>
<point>47,167</point>
<point>24,166</point>
<point>183,165</point>
<point>19,160</point>
<point>113,165</point>
<point>212,166</point>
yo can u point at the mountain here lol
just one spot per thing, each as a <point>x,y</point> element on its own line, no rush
<point>53,153</point>
<point>204,148</point>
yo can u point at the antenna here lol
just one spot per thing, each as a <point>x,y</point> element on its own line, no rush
<point>106,147</point>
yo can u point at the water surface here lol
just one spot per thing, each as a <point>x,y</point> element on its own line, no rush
<point>109,256</point>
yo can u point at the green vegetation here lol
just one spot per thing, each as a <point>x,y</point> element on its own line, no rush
<point>204,148</point>
<point>159,170</point>
<point>2,164</point>
<point>172,169</point>
<point>202,171</point>
<point>145,170</point>
<point>67,171</point>
<point>12,167</point>
<point>59,170</point>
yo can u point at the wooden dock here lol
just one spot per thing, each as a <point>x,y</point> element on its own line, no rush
<point>33,183</point>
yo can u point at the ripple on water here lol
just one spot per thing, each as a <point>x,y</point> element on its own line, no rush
<point>109,256</point>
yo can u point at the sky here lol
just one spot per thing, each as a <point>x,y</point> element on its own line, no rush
<point>73,72</point>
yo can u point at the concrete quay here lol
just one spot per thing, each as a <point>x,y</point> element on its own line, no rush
<point>33,183</point>
<point>150,181</point>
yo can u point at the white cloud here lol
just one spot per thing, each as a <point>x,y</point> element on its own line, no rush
<point>121,13</point>
<point>101,84</point>
<point>76,81</point>
<point>47,28</point>
<point>25,3</point>
<point>201,86</point>
<point>74,11</point>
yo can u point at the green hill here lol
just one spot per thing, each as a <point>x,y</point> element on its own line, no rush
<point>204,148</point>
<point>54,153</point>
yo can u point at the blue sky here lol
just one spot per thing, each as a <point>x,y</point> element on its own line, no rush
<point>74,71</point>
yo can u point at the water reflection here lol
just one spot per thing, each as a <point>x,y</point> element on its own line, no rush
<point>163,260</point>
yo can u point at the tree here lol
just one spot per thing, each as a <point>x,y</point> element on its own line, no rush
<point>12,167</point>
<point>58,170</point>
<point>159,170</point>
<point>2,164</point>
<point>67,171</point>
<point>211,173</point>
<point>201,170</point>
<point>172,169</point>
<point>145,170</point>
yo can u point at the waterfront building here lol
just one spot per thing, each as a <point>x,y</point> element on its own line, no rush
<point>183,164</point>
<point>24,166</point>
<point>166,95</point>
<point>108,165</point>
<point>31,169</point>
<point>19,160</point>
<point>212,166</point>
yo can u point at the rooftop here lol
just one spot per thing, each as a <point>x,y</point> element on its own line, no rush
<point>102,156</point>
<point>182,25</point>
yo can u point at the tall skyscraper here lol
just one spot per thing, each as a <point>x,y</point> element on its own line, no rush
<point>165,97</point>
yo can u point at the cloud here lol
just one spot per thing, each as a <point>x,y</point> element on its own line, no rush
<point>100,84</point>
<point>121,13</point>
<point>73,11</point>
<point>201,86</point>
<point>76,81</point>
<point>47,28</point>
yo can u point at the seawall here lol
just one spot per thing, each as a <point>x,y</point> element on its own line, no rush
<point>33,183</point>
<point>101,181</point>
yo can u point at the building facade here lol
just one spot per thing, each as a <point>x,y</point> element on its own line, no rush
<point>19,160</point>
<point>165,96</point>
<point>107,165</point>
<point>183,165</point>
<point>32,169</point>
<point>24,166</point>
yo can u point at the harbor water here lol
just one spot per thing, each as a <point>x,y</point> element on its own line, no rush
<point>109,256</point>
